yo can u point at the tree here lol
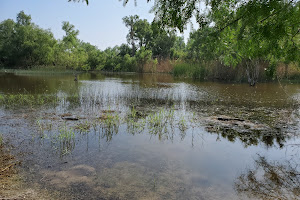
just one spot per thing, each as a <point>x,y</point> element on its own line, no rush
<point>96,58</point>
<point>7,33</point>
<point>76,56</point>
<point>23,19</point>
<point>70,39</point>
<point>130,22</point>
<point>25,44</point>
<point>143,33</point>
<point>86,1</point>
<point>162,41</point>
<point>124,49</point>
<point>203,46</point>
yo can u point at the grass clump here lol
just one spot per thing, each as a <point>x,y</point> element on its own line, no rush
<point>66,135</point>
<point>110,122</point>
<point>159,122</point>
<point>83,127</point>
<point>66,140</point>
<point>135,122</point>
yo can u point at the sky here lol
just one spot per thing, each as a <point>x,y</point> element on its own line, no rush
<point>99,23</point>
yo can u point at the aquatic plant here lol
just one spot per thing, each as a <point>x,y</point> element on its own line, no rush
<point>134,126</point>
<point>66,134</point>
<point>110,122</point>
<point>158,123</point>
<point>83,127</point>
<point>40,125</point>
<point>135,122</point>
<point>43,127</point>
<point>66,140</point>
<point>182,124</point>
<point>158,119</point>
<point>29,100</point>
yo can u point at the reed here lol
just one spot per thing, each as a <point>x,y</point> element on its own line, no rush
<point>189,70</point>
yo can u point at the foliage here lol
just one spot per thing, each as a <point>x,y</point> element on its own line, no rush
<point>231,33</point>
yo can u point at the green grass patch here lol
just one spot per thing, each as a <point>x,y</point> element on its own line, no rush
<point>40,70</point>
<point>17,100</point>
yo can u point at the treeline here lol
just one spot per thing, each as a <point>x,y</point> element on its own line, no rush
<point>248,49</point>
<point>24,45</point>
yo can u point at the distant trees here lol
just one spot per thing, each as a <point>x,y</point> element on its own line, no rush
<point>22,43</point>
<point>245,43</point>
<point>153,37</point>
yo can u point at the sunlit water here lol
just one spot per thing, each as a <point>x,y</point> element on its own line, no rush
<point>208,139</point>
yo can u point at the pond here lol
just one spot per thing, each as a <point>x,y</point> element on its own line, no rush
<point>146,136</point>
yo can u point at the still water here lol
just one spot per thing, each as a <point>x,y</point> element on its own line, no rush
<point>149,136</point>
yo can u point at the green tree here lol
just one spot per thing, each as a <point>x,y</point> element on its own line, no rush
<point>163,41</point>
<point>25,44</point>
<point>23,19</point>
<point>96,58</point>
<point>130,23</point>
<point>143,33</point>
<point>70,39</point>
<point>7,48</point>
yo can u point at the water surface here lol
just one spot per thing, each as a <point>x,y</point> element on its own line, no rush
<point>143,136</point>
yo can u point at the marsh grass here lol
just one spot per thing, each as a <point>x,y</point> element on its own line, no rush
<point>182,124</point>
<point>84,127</point>
<point>29,100</point>
<point>135,121</point>
<point>40,69</point>
<point>161,124</point>
<point>65,139</point>
<point>110,123</point>
<point>189,70</point>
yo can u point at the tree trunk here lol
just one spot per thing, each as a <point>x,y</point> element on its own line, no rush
<point>252,71</point>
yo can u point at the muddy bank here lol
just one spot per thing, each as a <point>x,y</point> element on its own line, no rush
<point>12,185</point>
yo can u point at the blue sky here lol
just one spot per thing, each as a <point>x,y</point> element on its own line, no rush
<point>100,23</point>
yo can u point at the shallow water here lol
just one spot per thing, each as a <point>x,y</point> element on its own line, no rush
<point>154,137</point>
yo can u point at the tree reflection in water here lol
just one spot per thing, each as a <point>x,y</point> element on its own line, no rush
<point>270,180</point>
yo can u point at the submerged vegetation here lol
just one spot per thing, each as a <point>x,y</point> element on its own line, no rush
<point>98,132</point>
<point>278,181</point>
<point>28,100</point>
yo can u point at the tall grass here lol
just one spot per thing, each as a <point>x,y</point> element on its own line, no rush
<point>189,70</point>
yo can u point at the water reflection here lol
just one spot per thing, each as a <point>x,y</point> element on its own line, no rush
<point>145,136</point>
<point>271,180</point>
